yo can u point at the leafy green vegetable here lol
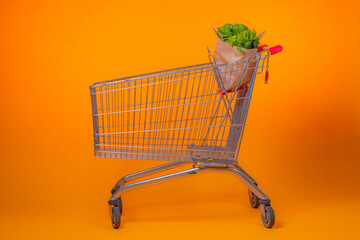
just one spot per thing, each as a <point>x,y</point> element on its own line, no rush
<point>238,28</point>
<point>239,35</point>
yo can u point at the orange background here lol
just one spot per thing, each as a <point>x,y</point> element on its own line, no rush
<point>301,141</point>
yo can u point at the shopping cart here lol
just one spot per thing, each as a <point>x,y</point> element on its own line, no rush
<point>183,115</point>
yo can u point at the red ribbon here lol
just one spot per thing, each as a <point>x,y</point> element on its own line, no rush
<point>225,92</point>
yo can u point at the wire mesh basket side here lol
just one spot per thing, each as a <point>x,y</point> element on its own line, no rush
<point>175,115</point>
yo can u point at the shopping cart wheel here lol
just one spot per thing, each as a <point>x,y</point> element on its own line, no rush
<point>268,216</point>
<point>115,216</point>
<point>254,200</point>
<point>120,205</point>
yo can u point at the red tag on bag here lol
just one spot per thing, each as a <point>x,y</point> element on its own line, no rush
<point>266,76</point>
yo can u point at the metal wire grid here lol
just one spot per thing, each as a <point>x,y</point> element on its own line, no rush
<point>175,115</point>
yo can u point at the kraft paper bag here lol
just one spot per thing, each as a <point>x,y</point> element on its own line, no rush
<point>229,76</point>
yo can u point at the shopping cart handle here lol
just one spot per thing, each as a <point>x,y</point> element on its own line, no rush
<point>275,49</point>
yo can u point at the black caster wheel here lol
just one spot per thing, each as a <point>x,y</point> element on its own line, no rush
<point>120,206</point>
<point>115,216</point>
<point>254,200</point>
<point>267,216</point>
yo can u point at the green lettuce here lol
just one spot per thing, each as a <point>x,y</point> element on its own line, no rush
<point>239,35</point>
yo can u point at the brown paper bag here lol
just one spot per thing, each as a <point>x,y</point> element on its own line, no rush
<point>229,76</point>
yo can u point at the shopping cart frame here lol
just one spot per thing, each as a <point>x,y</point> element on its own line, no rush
<point>199,165</point>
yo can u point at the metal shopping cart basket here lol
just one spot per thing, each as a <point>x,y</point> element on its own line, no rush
<point>183,115</point>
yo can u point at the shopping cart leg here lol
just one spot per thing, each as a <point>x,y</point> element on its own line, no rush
<point>254,200</point>
<point>132,186</point>
<point>252,186</point>
<point>237,167</point>
<point>115,203</point>
<point>267,213</point>
<point>144,173</point>
<point>257,197</point>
